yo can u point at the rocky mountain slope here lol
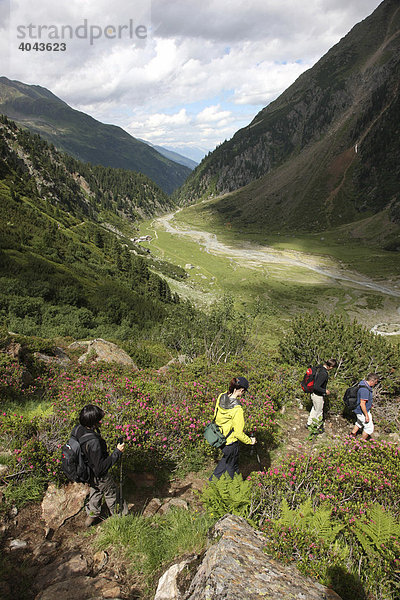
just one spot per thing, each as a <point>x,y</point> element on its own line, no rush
<point>327,150</point>
<point>83,137</point>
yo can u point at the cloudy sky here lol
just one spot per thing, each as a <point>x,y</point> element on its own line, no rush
<point>179,73</point>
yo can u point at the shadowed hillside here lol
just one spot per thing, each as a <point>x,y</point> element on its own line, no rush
<point>327,150</point>
<point>83,137</point>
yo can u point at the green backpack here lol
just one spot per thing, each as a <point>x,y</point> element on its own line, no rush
<point>214,435</point>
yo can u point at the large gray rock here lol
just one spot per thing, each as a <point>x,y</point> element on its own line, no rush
<point>59,357</point>
<point>66,566</point>
<point>101,350</point>
<point>81,588</point>
<point>59,504</point>
<point>236,568</point>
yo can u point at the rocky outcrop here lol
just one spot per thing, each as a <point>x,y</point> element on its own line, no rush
<point>182,359</point>
<point>60,504</point>
<point>59,357</point>
<point>237,567</point>
<point>100,350</point>
<point>81,588</point>
<point>14,349</point>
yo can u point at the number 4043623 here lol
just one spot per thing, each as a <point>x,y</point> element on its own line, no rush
<point>42,47</point>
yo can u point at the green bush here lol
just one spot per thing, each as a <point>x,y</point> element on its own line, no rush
<point>325,511</point>
<point>314,337</point>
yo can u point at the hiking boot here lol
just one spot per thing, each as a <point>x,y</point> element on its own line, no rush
<point>89,521</point>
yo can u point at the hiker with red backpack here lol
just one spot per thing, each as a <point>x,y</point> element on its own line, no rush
<point>317,387</point>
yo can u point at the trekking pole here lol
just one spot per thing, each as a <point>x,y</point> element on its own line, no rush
<point>252,452</point>
<point>120,441</point>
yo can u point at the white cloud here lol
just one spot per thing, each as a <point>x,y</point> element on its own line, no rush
<point>204,71</point>
<point>213,114</point>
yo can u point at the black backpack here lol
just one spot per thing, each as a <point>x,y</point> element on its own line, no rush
<point>73,461</point>
<point>307,383</point>
<point>350,396</point>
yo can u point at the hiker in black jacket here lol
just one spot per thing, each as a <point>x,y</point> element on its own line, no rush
<point>99,461</point>
<point>319,391</point>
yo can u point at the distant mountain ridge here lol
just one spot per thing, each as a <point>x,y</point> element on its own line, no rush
<point>327,150</point>
<point>172,155</point>
<point>83,137</point>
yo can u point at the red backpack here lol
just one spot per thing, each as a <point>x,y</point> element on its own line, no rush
<point>308,380</point>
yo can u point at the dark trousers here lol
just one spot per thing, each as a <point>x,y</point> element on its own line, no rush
<point>229,462</point>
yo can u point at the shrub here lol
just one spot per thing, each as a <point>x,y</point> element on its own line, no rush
<point>337,515</point>
<point>227,495</point>
<point>161,415</point>
<point>314,337</point>
<point>350,475</point>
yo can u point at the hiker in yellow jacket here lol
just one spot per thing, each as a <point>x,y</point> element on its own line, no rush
<point>229,417</point>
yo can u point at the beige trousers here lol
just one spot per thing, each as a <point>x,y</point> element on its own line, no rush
<point>317,410</point>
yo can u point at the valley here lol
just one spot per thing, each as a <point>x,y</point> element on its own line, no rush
<point>279,275</point>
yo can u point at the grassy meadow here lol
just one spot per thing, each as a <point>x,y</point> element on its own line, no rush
<point>276,292</point>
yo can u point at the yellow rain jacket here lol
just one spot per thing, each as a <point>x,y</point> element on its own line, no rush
<point>229,415</point>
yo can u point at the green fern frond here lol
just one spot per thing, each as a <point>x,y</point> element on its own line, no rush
<point>226,495</point>
<point>364,541</point>
<point>298,517</point>
<point>322,525</point>
<point>304,517</point>
<point>378,530</point>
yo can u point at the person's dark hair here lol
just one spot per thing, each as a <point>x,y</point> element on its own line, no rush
<point>90,415</point>
<point>237,383</point>
<point>331,362</point>
<point>372,377</point>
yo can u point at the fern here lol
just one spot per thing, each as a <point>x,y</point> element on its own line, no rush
<point>319,522</point>
<point>378,531</point>
<point>226,495</point>
<point>322,525</point>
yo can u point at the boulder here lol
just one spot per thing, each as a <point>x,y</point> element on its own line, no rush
<point>59,504</point>
<point>167,588</point>
<point>182,359</point>
<point>18,544</point>
<point>14,349</point>
<point>173,502</point>
<point>59,357</point>
<point>153,506</point>
<point>101,350</point>
<point>237,567</point>
<point>66,566</point>
<point>81,587</point>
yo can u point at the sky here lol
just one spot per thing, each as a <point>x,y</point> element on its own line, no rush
<point>178,73</point>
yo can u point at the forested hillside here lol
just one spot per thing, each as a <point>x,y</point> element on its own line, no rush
<point>81,136</point>
<point>68,264</point>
